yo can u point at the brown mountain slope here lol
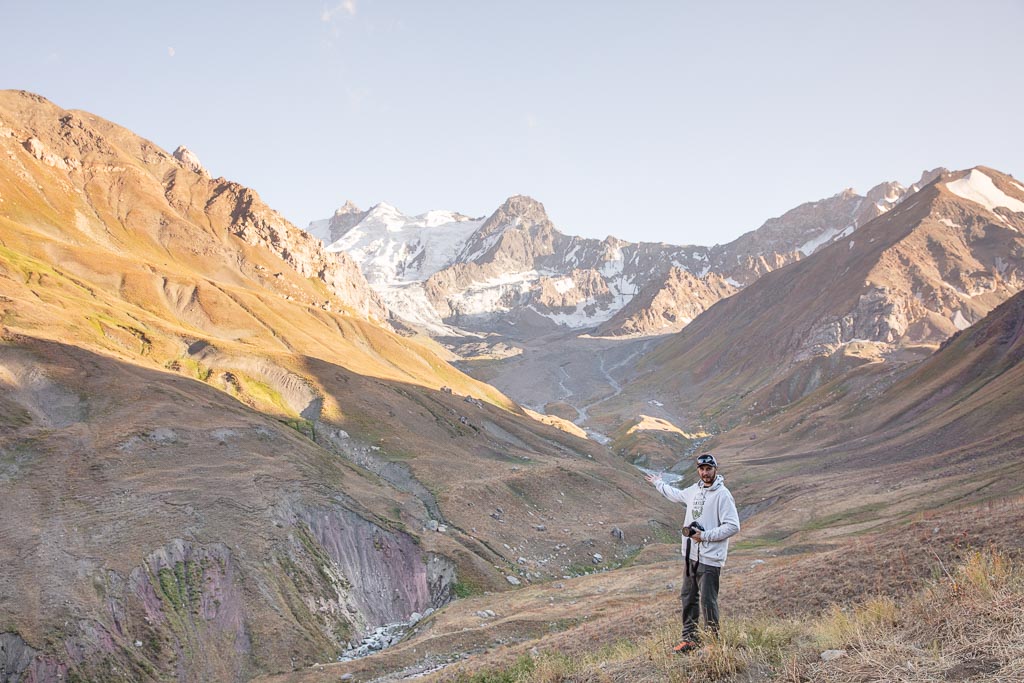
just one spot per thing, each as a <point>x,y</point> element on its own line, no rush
<point>912,276</point>
<point>212,464</point>
<point>90,184</point>
<point>946,430</point>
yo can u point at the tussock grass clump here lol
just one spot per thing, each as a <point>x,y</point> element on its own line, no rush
<point>969,624</point>
<point>843,626</point>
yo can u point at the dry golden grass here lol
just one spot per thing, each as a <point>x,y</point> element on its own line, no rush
<point>969,624</point>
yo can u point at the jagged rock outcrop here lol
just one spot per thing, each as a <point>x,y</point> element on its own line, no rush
<point>514,238</point>
<point>15,658</point>
<point>334,228</point>
<point>190,161</point>
<point>579,286</point>
<point>252,221</point>
<point>669,305</point>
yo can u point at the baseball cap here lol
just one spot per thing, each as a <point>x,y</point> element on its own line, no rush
<point>707,459</point>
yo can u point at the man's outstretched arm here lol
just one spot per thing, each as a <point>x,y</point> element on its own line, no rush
<point>670,492</point>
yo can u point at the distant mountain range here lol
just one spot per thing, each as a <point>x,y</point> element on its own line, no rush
<point>894,290</point>
<point>444,270</point>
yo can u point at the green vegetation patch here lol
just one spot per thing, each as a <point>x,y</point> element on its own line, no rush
<point>663,534</point>
<point>305,427</point>
<point>767,540</point>
<point>319,556</point>
<point>261,392</point>
<point>522,670</point>
<point>464,588</point>
<point>181,586</point>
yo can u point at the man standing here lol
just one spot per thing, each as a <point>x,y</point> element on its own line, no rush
<point>711,518</point>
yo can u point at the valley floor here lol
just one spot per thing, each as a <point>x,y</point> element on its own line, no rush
<point>571,376</point>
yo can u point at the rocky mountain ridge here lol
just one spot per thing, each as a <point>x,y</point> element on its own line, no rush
<point>903,283</point>
<point>517,268</point>
<point>93,151</point>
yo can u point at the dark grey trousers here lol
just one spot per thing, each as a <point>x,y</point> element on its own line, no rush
<point>700,596</point>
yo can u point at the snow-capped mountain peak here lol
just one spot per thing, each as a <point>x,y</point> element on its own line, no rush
<point>442,269</point>
<point>395,248</point>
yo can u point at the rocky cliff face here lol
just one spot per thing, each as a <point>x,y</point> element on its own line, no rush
<point>254,222</point>
<point>383,576</point>
<point>668,305</point>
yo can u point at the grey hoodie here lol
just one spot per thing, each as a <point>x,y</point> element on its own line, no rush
<point>715,509</point>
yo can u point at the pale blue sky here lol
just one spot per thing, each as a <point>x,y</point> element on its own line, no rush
<point>683,122</point>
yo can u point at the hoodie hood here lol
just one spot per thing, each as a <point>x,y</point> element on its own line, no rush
<point>718,483</point>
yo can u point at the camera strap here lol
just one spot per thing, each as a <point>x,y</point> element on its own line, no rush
<point>691,567</point>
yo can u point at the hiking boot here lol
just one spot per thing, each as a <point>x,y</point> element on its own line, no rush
<point>686,646</point>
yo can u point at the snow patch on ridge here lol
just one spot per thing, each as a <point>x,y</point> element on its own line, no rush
<point>394,248</point>
<point>830,235</point>
<point>492,295</point>
<point>563,285</point>
<point>410,299</point>
<point>979,188</point>
<point>960,322</point>
<point>320,229</point>
<point>614,266</point>
<point>580,317</point>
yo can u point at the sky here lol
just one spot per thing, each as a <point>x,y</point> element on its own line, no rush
<point>679,121</point>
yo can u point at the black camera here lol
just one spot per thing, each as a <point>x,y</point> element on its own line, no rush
<point>689,530</point>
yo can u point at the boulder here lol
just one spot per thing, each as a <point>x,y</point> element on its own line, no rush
<point>829,655</point>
